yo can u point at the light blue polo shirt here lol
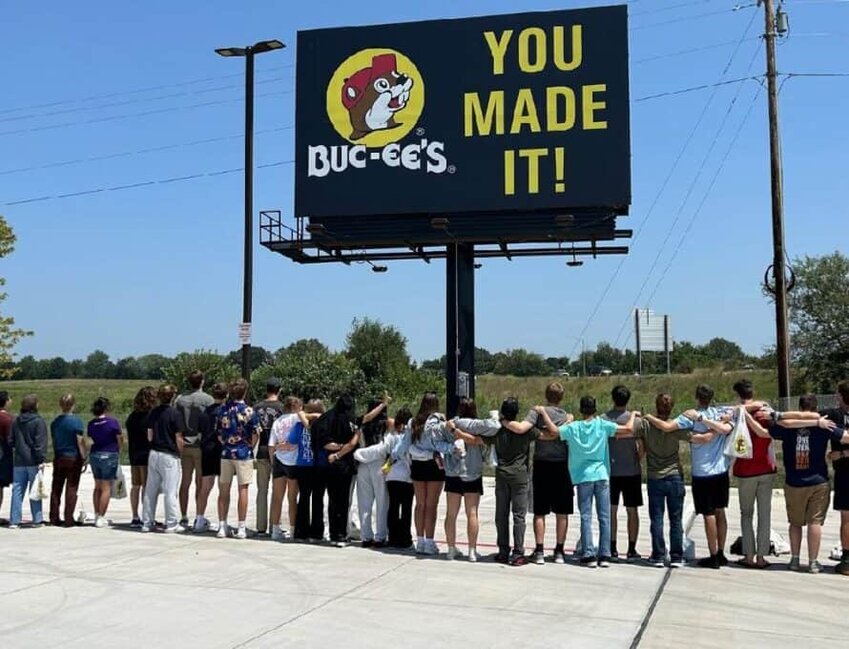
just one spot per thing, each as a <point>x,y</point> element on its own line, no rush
<point>708,459</point>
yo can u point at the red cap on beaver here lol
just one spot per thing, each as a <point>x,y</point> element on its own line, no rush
<point>380,65</point>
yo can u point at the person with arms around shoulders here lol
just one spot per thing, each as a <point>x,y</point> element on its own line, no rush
<point>711,485</point>
<point>284,457</point>
<point>424,441</point>
<point>6,448</point>
<point>626,479</point>
<point>804,436</point>
<point>399,484</point>
<point>69,453</point>
<point>29,437</point>
<point>237,426</point>
<point>268,410</point>
<point>191,404</point>
<point>139,447</point>
<point>210,447</point>
<point>589,466</point>
<point>372,496</point>
<point>840,461</point>
<point>336,433</point>
<point>165,427</point>
<point>310,476</point>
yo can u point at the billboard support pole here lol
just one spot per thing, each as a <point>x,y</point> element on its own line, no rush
<point>460,324</point>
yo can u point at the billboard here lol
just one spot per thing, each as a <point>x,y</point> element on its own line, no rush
<point>653,332</point>
<point>506,113</point>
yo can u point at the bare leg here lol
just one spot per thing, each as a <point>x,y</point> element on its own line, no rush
<point>292,495</point>
<point>453,508</point>
<point>223,501</point>
<point>105,493</point>
<point>796,540</point>
<point>844,530</point>
<point>710,533</point>
<point>562,528</point>
<point>472,523</point>
<point>278,491</point>
<point>633,524</point>
<point>185,483</point>
<point>134,501</point>
<point>814,541</point>
<point>721,530</point>
<point>420,489</point>
<point>243,502</point>
<point>434,490</point>
<point>539,529</point>
<point>203,495</point>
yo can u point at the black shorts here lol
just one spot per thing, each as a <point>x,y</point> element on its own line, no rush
<point>710,493</point>
<point>552,489</point>
<point>210,462</point>
<point>841,490</point>
<point>455,485</point>
<point>631,488</point>
<point>426,471</point>
<point>280,470</point>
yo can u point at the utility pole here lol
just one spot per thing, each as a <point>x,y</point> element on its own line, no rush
<point>782,335</point>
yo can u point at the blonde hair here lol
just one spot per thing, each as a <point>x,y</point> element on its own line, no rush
<point>67,402</point>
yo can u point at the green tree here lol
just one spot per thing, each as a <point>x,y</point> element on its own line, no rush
<point>257,357</point>
<point>128,368</point>
<point>214,366</point>
<point>380,351</point>
<point>819,326</point>
<point>98,366</point>
<point>724,352</point>
<point>150,366</point>
<point>10,335</point>
<point>520,362</point>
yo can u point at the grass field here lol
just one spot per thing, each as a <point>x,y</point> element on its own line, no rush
<point>491,390</point>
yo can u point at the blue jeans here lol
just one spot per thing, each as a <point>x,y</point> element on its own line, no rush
<point>104,466</point>
<point>667,493</point>
<point>23,478</point>
<point>600,489</point>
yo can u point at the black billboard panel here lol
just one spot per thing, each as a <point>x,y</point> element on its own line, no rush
<point>521,112</point>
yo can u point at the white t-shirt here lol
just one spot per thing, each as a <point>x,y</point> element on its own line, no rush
<point>280,430</point>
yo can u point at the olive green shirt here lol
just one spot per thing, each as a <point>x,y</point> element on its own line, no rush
<point>663,457</point>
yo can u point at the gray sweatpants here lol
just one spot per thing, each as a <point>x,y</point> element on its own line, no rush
<point>371,495</point>
<point>511,494</point>
<point>163,476</point>
<point>751,490</point>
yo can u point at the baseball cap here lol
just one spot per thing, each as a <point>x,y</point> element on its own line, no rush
<point>380,64</point>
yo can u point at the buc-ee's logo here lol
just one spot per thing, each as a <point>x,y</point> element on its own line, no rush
<point>374,100</point>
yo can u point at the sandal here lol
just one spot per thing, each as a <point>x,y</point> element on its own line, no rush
<point>744,563</point>
<point>762,566</point>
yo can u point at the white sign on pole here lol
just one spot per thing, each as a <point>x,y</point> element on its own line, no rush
<point>245,333</point>
<point>653,331</point>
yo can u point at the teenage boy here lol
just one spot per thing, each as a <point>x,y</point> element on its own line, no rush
<point>267,410</point>
<point>191,404</point>
<point>711,484</point>
<point>840,460</point>
<point>626,478</point>
<point>237,426</point>
<point>804,436</point>
<point>165,428</point>
<point>589,466</point>
<point>210,448</point>
<point>69,452</point>
<point>551,485</point>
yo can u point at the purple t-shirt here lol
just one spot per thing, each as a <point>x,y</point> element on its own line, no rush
<point>104,433</point>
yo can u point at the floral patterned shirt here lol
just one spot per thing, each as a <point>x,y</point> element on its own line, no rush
<point>236,425</point>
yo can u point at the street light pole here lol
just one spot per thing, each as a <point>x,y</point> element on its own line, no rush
<point>247,289</point>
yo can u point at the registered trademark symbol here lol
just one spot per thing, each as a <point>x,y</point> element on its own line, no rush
<point>451,169</point>
<point>420,131</point>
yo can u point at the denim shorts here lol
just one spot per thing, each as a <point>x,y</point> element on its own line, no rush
<point>104,466</point>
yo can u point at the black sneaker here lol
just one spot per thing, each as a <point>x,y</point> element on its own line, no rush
<point>367,544</point>
<point>842,568</point>
<point>591,562</point>
<point>720,558</point>
<point>709,562</point>
<point>614,555</point>
<point>633,555</point>
<point>502,557</point>
<point>559,557</point>
<point>518,560</point>
<point>538,557</point>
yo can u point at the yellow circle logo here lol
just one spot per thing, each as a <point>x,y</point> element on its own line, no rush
<point>375,97</point>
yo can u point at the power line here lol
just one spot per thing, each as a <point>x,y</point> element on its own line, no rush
<point>679,5</point>
<point>146,183</point>
<point>109,95</point>
<point>705,86</point>
<point>666,180</point>
<point>682,19</point>
<point>155,149</point>
<point>692,50</point>
<point>156,111</point>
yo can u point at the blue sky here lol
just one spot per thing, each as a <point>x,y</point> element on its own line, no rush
<point>158,268</point>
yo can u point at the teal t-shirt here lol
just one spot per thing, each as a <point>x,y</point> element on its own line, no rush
<point>65,429</point>
<point>589,454</point>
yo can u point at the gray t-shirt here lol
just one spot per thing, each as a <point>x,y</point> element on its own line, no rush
<point>553,450</point>
<point>191,406</point>
<point>624,456</point>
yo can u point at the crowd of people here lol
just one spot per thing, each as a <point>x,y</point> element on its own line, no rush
<point>399,466</point>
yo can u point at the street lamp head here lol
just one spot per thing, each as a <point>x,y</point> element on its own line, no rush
<point>231,51</point>
<point>267,46</point>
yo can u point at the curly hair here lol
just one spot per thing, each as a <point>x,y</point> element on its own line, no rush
<point>145,399</point>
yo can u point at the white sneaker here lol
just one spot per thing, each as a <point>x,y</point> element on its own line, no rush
<point>175,529</point>
<point>222,531</point>
<point>420,547</point>
<point>201,525</point>
<point>242,533</point>
<point>474,557</point>
<point>145,528</point>
<point>430,547</point>
<point>836,553</point>
<point>453,553</point>
<point>12,526</point>
<point>277,535</point>
<point>101,522</point>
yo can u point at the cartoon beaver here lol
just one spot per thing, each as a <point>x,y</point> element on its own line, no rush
<point>373,95</point>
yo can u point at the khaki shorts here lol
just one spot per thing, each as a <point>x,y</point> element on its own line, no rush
<point>242,469</point>
<point>807,505</point>
<point>138,475</point>
<point>191,461</point>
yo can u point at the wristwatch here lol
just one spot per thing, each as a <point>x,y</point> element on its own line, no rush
<point>701,417</point>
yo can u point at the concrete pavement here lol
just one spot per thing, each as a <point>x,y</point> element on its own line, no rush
<point>88,587</point>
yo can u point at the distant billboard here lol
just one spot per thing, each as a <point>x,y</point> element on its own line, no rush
<point>653,331</point>
<point>520,112</point>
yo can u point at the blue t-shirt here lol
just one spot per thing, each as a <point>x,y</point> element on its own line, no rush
<point>804,452</point>
<point>708,459</point>
<point>307,456</point>
<point>65,430</point>
<point>589,452</point>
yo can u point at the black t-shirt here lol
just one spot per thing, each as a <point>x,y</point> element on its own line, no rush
<point>166,422</point>
<point>206,427</point>
<point>267,411</point>
<point>841,418</point>
<point>372,432</point>
<point>137,438</point>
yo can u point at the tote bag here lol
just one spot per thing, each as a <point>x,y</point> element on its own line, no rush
<point>739,442</point>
